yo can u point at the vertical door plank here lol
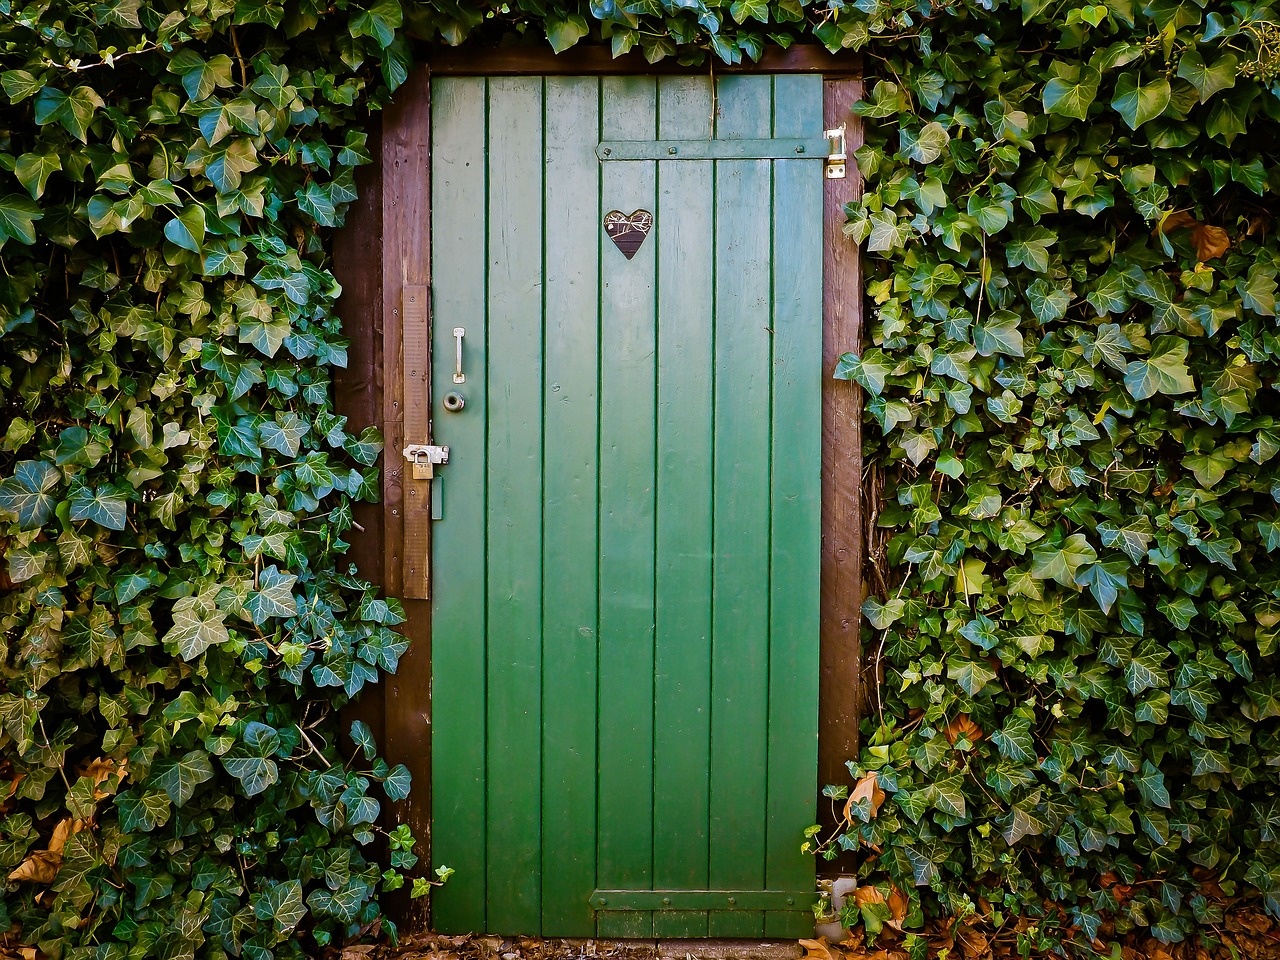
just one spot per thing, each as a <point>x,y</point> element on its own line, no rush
<point>796,496</point>
<point>627,410</point>
<point>569,506</point>
<point>840,696</point>
<point>682,644</point>
<point>514,490</point>
<point>458,621</point>
<point>743,355</point>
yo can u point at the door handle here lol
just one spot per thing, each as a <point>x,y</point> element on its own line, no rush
<point>458,375</point>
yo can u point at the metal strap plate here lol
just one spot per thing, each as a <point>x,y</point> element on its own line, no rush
<point>801,900</point>
<point>799,148</point>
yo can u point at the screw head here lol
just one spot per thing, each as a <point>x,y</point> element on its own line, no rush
<point>671,150</point>
<point>607,151</point>
<point>732,901</point>
<point>800,149</point>
<point>666,901</point>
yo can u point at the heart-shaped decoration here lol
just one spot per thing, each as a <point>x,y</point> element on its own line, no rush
<point>628,232</point>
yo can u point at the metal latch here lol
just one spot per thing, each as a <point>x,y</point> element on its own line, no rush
<point>837,156</point>
<point>424,457</point>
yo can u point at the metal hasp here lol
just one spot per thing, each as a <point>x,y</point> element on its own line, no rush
<point>424,457</point>
<point>837,156</point>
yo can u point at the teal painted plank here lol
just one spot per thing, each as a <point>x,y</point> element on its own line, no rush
<point>458,654</point>
<point>740,661</point>
<point>682,645</point>
<point>796,501</point>
<point>569,507</point>
<point>514,491</point>
<point>627,346</point>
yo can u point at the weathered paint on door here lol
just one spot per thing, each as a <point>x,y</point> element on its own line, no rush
<point>625,564</point>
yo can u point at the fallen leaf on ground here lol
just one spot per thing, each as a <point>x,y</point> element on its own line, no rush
<point>40,867</point>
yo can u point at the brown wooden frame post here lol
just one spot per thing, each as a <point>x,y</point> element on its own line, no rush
<point>839,693</point>
<point>406,413</point>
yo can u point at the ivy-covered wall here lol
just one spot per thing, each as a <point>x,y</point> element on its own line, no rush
<point>1070,380</point>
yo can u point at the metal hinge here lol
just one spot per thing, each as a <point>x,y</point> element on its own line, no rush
<point>837,156</point>
<point>424,457</point>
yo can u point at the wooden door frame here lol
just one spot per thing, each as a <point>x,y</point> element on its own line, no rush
<point>382,258</point>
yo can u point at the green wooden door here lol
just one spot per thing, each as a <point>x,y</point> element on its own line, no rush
<point>625,560</point>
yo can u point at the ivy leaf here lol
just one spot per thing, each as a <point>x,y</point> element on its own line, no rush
<point>1070,94</point>
<point>197,625</point>
<point>1048,301</point>
<point>1138,103</point>
<point>1164,371</point>
<point>283,434</point>
<point>398,782</point>
<point>28,493</point>
<point>1132,538</point>
<point>362,737</point>
<point>870,370</point>
<point>282,905</point>
<point>1030,248</point>
<point>107,506</point>
<point>179,778</point>
<point>73,110</point>
<point>971,675</point>
<point>266,336</point>
<point>273,596</point>
<point>33,171</point>
<point>999,334</point>
<point>144,812</point>
<point>200,77</point>
<point>187,228</point>
<point>882,615</point>
<point>948,796</point>
<point>18,216</point>
<point>742,10</point>
<point>19,84</point>
<point>1061,561</point>
<point>1208,80</point>
<point>564,32</point>
<point>1020,822</point>
<point>926,145</point>
<point>254,773</point>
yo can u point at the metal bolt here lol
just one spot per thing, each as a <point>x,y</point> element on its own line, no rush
<point>603,901</point>
<point>800,149</point>
<point>607,151</point>
<point>666,901</point>
<point>790,901</point>
<point>732,901</point>
<point>671,150</point>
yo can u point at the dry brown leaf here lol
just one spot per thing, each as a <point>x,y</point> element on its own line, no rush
<point>973,943</point>
<point>102,768</point>
<point>962,726</point>
<point>868,788</point>
<point>1176,221</point>
<point>865,895</point>
<point>898,904</point>
<point>40,867</point>
<point>63,832</point>
<point>1210,241</point>
<point>358,951</point>
<point>817,949</point>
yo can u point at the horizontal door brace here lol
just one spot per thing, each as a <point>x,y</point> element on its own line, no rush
<point>798,148</point>
<point>800,900</point>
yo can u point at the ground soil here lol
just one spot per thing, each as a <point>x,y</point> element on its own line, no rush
<point>1244,934</point>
